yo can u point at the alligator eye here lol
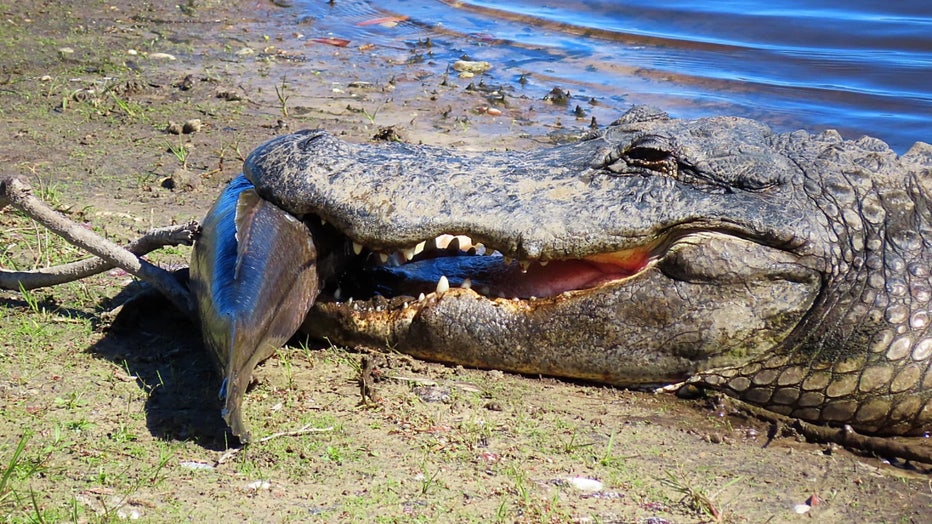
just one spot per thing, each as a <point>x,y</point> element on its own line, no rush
<point>648,155</point>
<point>651,158</point>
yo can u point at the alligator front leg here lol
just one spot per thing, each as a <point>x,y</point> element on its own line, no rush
<point>254,276</point>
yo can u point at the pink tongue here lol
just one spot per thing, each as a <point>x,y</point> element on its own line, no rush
<point>491,276</point>
<point>556,277</point>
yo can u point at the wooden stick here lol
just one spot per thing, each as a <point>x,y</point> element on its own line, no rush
<point>19,194</point>
<point>61,274</point>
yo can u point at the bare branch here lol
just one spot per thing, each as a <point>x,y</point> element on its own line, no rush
<point>61,274</point>
<point>19,194</point>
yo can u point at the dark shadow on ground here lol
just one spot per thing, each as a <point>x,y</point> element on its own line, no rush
<point>48,305</point>
<point>162,349</point>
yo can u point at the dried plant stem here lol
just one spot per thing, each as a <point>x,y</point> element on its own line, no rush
<point>306,430</point>
<point>60,274</point>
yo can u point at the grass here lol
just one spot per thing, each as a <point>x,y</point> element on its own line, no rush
<point>131,110</point>
<point>699,498</point>
<point>181,152</point>
<point>280,92</point>
<point>6,485</point>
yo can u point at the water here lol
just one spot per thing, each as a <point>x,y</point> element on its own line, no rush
<point>861,66</point>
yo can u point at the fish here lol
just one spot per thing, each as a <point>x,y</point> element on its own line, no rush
<point>254,277</point>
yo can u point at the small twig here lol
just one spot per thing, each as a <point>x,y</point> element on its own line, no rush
<point>19,194</point>
<point>61,274</point>
<point>306,430</point>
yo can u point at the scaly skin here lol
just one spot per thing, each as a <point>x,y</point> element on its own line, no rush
<point>788,270</point>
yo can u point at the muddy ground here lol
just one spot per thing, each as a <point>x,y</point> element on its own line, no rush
<point>103,420</point>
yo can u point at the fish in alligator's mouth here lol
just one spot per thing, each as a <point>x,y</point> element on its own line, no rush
<point>455,261</point>
<point>652,252</point>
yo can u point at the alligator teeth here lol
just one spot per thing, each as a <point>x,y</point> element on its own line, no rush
<point>507,260</point>
<point>407,253</point>
<point>443,285</point>
<point>383,257</point>
<point>465,242</point>
<point>421,297</point>
<point>442,241</point>
<point>357,248</point>
<point>467,284</point>
<point>453,242</point>
<point>543,263</point>
<point>419,248</point>
<point>338,294</point>
<point>525,264</point>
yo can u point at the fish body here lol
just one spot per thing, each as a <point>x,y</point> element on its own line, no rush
<point>254,277</point>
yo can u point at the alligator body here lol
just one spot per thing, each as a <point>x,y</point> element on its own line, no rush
<point>788,270</point>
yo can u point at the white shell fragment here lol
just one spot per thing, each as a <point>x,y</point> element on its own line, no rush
<point>584,484</point>
<point>469,66</point>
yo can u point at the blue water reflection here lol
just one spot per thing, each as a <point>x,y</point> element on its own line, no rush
<point>862,67</point>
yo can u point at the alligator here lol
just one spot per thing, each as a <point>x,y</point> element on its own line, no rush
<point>790,271</point>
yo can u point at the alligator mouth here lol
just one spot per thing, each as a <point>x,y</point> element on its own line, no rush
<point>456,261</point>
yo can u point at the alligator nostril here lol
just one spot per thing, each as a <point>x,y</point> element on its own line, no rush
<point>312,136</point>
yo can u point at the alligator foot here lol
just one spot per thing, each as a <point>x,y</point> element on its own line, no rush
<point>910,449</point>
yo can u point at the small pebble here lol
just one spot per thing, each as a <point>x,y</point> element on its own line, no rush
<point>191,126</point>
<point>258,484</point>
<point>584,484</point>
<point>182,180</point>
<point>190,464</point>
<point>469,66</point>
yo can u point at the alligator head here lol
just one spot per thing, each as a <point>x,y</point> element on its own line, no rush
<point>652,252</point>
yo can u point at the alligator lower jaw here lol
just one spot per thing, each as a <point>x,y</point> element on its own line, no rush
<point>449,262</point>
